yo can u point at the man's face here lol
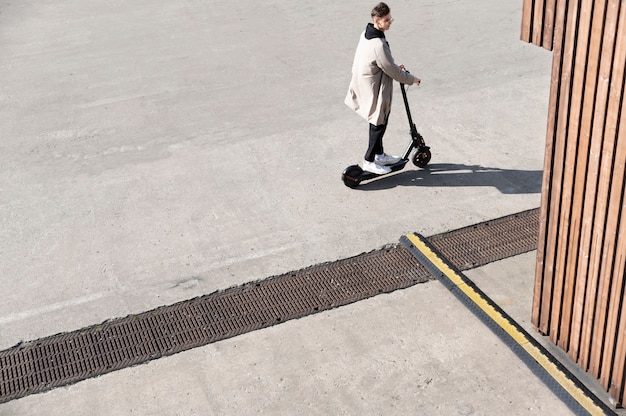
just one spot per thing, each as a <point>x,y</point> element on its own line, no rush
<point>383,23</point>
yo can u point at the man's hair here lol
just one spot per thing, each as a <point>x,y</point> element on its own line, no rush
<point>380,10</point>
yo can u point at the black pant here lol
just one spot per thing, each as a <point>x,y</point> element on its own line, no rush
<point>376,141</point>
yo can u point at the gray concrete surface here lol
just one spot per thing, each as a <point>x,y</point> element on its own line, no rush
<point>154,151</point>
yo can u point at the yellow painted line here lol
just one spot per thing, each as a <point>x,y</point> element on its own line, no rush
<point>510,328</point>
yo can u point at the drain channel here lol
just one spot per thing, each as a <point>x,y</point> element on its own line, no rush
<point>66,358</point>
<point>489,241</point>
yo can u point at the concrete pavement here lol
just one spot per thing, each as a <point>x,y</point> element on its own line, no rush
<point>153,152</point>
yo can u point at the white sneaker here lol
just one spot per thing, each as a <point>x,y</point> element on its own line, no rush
<point>385,159</point>
<point>376,168</point>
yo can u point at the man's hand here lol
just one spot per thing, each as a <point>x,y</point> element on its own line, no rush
<point>417,80</point>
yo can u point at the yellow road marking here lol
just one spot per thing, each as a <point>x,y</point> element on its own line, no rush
<point>509,327</point>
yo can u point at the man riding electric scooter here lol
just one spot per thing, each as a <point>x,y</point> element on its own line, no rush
<point>371,87</point>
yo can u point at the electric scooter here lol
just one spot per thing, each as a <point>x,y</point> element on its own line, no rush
<point>353,175</point>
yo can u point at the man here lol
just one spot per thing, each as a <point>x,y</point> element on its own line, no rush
<point>371,86</point>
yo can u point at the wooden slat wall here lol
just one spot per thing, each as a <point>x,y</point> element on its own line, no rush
<point>579,298</point>
<point>538,22</point>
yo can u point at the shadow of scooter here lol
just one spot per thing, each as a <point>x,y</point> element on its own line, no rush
<point>507,181</point>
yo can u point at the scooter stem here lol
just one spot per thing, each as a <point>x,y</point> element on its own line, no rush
<point>416,141</point>
<point>408,111</point>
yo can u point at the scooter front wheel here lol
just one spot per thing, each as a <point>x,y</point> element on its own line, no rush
<point>422,157</point>
<point>350,176</point>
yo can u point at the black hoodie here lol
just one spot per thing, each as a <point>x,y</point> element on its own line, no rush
<point>371,32</point>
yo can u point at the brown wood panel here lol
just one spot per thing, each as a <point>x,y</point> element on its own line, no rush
<point>543,282</point>
<point>616,387</point>
<point>549,17</point>
<point>586,187</point>
<point>560,212</point>
<point>580,283</point>
<point>527,21</point>
<point>567,251</point>
<point>605,333</point>
<point>601,234</point>
<point>537,34</point>
<point>539,21</point>
<point>553,302</point>
<point>594,197</point>
<point>616,216</point>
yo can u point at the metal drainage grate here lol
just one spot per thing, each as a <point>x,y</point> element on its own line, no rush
<point>66,358</point>
<point>477,245</point>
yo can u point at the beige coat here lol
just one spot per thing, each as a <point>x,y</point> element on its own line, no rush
<point>371,87</point>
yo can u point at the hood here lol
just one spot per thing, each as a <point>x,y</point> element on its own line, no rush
<point>371,32</point>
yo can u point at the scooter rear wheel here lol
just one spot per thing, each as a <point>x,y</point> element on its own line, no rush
<point>421,157</point>
<point>350,176</point>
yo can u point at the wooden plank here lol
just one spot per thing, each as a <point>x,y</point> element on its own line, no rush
<point>558,171</point>
<point>616,247</point>
<point>550,228</point>
<point>601,231</point>
<point>616,207</point>
<point>538,21</point>
<point>592,204</point>
<point>567,250</point>
<point>616,386</point>
<point>542,293</point>
<point>580,274</point>
<point>585,182</point>
<point>548,24</point>
<point>537,36</point>
<point>527,21</point>
<point>542,285</point>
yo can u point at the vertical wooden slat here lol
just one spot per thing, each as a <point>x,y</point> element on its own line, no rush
<point>538,15</point>
<point>616,387</point>
<point>527,21</point>
<point>610,266</point>
<point>580,128</point>
<point>595,196</point>
<point>548,24</point>
<point>591,197</point>
<point>539,22</point>
<point>604,133</point>
<point>604,339</point>
<point>562,70</point>
<point>543,281</point>
<point>566,250</point>
<point>585,182</point>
